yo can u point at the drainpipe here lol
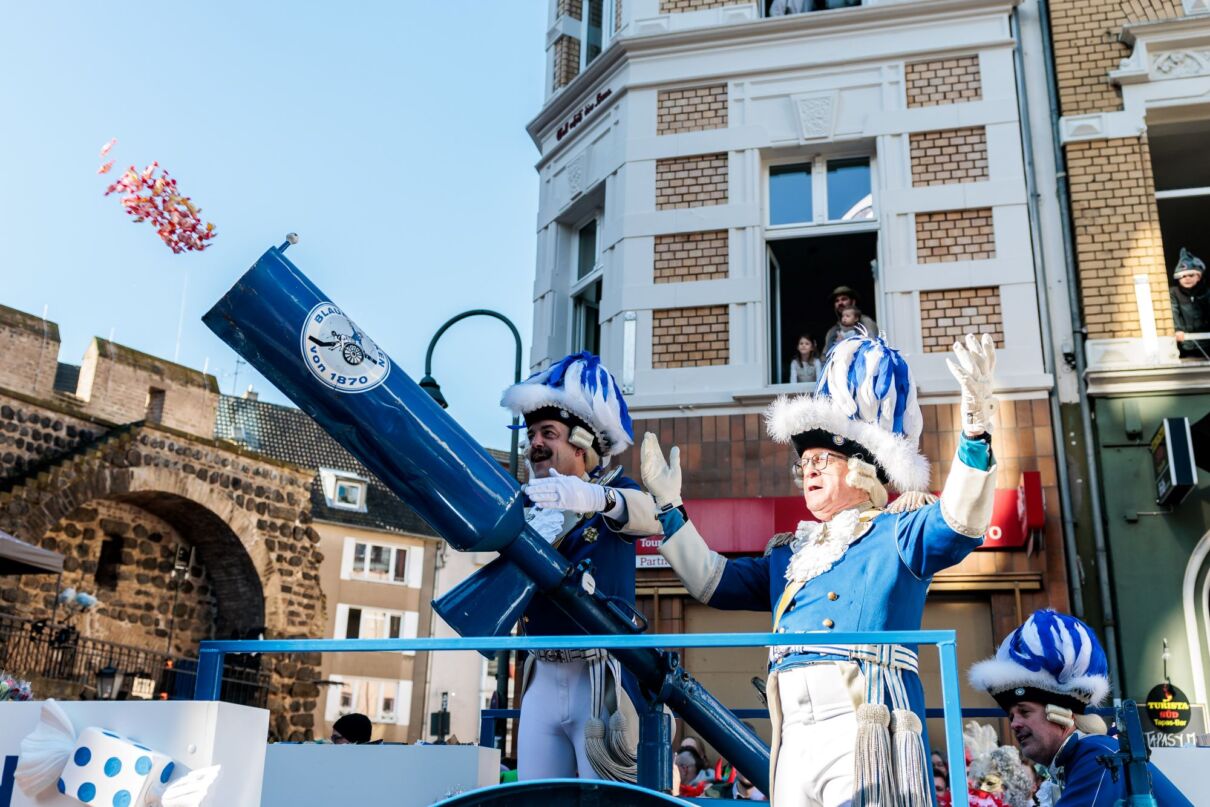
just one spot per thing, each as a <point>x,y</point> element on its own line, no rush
<point>1080,337</point>
<point>1070,550</point>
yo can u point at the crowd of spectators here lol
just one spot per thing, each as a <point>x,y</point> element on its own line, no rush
<point>696,777</point>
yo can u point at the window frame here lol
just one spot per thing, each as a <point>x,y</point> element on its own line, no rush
<point>607,31</point>
<point>349,572</point>
<point>399,689</point>
<point>330,480</point>
<point>409,622</point>
<point>820,224</point>
<point>581,285</point>
<point>817,228</point>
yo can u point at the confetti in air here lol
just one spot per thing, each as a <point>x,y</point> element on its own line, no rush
<point>155,199</point>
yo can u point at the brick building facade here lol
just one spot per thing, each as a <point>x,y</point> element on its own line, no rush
<point>1130,80</point>
<point>711,174</point>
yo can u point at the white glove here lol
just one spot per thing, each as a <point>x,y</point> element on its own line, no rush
<point>976,361</point>
<point>558,492</point>
<point>662,479</point>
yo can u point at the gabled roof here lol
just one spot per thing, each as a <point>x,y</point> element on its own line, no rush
<point>288,434</point>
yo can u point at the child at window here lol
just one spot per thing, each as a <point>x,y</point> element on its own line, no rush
<point>850,318</point>
<point>805,366</point>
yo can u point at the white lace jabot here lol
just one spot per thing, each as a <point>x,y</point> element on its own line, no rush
<point>818,545</point>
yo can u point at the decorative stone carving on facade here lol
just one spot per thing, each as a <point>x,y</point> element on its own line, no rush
<point>577,171</point>
<point>816,113</point>
<point>1180,63</point>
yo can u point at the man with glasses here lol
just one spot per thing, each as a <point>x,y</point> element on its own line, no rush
<point>849,720</point>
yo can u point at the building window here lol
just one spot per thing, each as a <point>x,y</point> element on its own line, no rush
<point>596,29</point>
<point>778,8</point>
<point>1182,197</point>
<point>349,494</point>
<point>820,191</point>
<point>586,307</point>
<point>822,235</point>
<point>588,259</point>
<point>380,563</point>
<point>587,285</point>
<point>343,490</point>
<point>363,622</point>
<point>383,700</point>
<point>109,561</point>
<point>155,405</point>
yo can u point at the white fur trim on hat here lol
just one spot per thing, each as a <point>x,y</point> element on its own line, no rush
<point>906,468</point>
<point>582,386</point>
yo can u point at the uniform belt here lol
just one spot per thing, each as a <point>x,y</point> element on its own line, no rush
<point>564,656</point>
<point>893,656</point>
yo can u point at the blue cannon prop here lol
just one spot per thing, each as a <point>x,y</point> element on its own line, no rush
<point>292,332</point>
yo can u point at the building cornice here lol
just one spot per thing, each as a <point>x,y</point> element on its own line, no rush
<point>1188,377</point>
<point>849,21</point>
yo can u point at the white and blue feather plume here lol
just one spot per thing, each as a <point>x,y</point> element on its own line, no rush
<point>866,394</point>
<point>1052,652</point>
<point>581,385</point>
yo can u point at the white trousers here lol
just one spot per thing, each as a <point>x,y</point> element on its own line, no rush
<point>818,734</point>
<point>554,710</point>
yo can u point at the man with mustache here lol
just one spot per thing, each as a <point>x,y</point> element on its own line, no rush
<point>1045,675</point>
<point>577,718</point>
<point>848,721</point>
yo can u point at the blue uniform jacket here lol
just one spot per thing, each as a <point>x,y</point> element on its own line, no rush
<point>1085,782</point>
<point>612,554</point>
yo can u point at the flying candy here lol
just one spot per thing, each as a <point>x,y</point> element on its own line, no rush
<point>155,199</point>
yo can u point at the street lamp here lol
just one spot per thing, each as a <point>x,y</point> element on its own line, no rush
<point>430,385</point>
<point>109,682</point>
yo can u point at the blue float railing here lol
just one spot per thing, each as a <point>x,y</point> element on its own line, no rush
<point>212,653</point>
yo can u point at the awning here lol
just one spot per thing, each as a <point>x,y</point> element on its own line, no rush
<point>18,557</point>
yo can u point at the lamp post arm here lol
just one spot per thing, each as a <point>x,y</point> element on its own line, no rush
<point>485,312</point>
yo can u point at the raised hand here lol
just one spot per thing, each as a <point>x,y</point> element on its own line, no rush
<point>973,366</point>
<point>662,479</point>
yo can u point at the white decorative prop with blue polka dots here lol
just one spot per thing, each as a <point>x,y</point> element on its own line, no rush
<point>104,769</point>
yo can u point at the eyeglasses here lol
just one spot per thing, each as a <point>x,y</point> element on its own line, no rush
<point>819,462</point>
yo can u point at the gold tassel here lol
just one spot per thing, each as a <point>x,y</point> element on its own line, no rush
<point>911,500</point>
<point>910,760</point>
<point>872,776</point>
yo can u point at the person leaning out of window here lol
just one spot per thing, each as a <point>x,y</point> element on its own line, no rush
<point>805,366</point>
<point>1190,305</point>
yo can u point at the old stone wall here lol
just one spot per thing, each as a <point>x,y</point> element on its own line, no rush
<point>30,346</point>
<point>124,556</point>
<point>71,482</point>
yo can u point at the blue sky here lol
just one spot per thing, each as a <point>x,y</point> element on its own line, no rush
<point>389,135</point>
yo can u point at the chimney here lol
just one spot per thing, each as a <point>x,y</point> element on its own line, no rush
<point>250,394</point>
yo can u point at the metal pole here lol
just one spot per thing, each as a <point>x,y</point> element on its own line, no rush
<point>503,657</point>
<point>951,701</point>
<point>209,683</point>
<point>1067,513</point>
<point>1080,337</point>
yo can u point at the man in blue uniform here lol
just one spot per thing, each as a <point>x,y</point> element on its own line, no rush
<point>848,721</point>
<point>574,700</point>
<point>1045,675</point>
